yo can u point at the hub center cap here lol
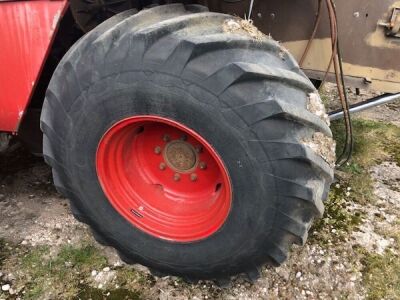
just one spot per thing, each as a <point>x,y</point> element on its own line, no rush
<point>180,156</point>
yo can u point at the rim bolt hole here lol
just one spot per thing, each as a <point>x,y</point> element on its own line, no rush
<point>159,186</point>
<point>184,137</point>
<point>157,150</point>
<point>140,129</point>
<point>163,166</point>
<point>218,187</point>
<point>202,165</point>
<point>166,138</point>
<point>199,149</point>
<point>177,177</point>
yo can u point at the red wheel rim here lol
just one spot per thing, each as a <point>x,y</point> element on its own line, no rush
<point>164,178</point>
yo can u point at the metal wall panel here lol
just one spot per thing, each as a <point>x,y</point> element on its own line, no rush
<point>371,57</point>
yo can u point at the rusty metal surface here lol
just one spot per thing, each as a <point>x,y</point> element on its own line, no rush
<point>366,48</point>
<point>180,156</point>
<point>26,32</point>
<point>393,25</point>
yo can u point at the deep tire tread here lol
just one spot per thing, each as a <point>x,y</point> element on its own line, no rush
<point>279,109</point>
<point>160,28</point>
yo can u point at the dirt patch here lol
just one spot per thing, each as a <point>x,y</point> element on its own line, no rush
<point>387,183</point>
<point>366,237</point>
<point>32,212</point>
<point>245,27</point>
<point>315,105</point>
<point>323,145</point>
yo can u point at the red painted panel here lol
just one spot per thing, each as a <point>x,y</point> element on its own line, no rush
<point>26,33</point>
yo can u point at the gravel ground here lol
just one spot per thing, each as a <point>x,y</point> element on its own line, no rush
<point>33,215</point>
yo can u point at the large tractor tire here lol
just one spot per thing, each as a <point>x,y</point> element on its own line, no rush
<point>188,141</point>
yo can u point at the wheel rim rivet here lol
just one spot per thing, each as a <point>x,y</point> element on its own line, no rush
<point>163,166</point>
<point>166,138</point>
<point>199,149</point>
<point>177,177</point>
<point>157,150</point>
<point>202,165</point>
<point>193,177</point>
<point>184,137</point>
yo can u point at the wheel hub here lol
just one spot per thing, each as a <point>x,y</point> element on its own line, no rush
<point>180,156</point>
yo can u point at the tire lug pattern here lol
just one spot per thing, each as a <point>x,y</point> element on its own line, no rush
<point>252,94</point>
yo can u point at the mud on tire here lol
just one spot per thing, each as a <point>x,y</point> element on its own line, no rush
<point>240,90</point>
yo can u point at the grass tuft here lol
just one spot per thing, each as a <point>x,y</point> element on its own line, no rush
<point>373,141</point>
<point>60,274</point>
<point>87,257</point>
<point>88,292</point>
<point>3,251</point>
<point>381,275</point>
<point>338,220</point>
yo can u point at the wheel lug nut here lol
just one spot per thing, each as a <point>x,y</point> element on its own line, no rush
<point>177,177</point>
<point>199,149</point>
<point>202,165</point>
<point>163,166</point>
<point>193,177</point>
<point>157,150</point>
<point>166,138</point>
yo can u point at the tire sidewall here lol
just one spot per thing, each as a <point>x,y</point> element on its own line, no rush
<point>138,93</point>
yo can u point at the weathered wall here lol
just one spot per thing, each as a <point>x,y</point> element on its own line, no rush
<point>371,59</point>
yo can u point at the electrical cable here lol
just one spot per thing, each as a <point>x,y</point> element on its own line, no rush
<point>316,25</point>
<point>348,148</point>
<point>250,9</point>
<point>350,144</point>
<point>336,59</point>
<point>333,29</point>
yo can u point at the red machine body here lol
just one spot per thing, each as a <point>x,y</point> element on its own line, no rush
<point>27,29</point>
